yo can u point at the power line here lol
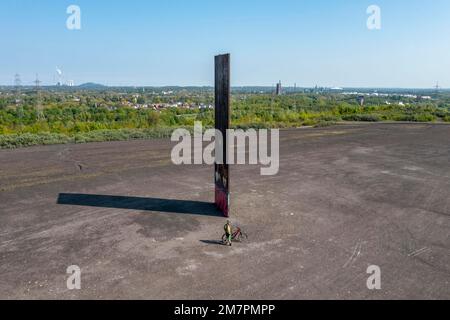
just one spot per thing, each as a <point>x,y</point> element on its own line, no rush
<point>17,81</point>
<point>37,82</point>
<point>17,86</point>
<point>437,87</point>
<point>40,113</point>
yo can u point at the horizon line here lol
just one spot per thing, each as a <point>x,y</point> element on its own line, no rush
<point>212,86</point>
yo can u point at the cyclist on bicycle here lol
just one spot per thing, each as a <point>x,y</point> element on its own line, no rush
<point>228,231</point>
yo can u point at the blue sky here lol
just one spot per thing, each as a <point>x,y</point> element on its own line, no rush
<point>172,42</point>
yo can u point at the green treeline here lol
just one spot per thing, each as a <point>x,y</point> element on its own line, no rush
<point>68,121</point>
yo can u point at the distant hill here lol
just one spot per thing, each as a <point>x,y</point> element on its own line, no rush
<point>91,85</point>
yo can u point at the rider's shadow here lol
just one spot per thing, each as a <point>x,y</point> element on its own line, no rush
<point>216,242</point>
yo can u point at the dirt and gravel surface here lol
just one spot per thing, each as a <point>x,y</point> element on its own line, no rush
<point>139,227</point>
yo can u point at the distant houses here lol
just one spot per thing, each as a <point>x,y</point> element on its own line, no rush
<point>162,106</point>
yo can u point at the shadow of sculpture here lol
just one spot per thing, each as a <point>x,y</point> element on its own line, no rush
<point>143,204</point>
